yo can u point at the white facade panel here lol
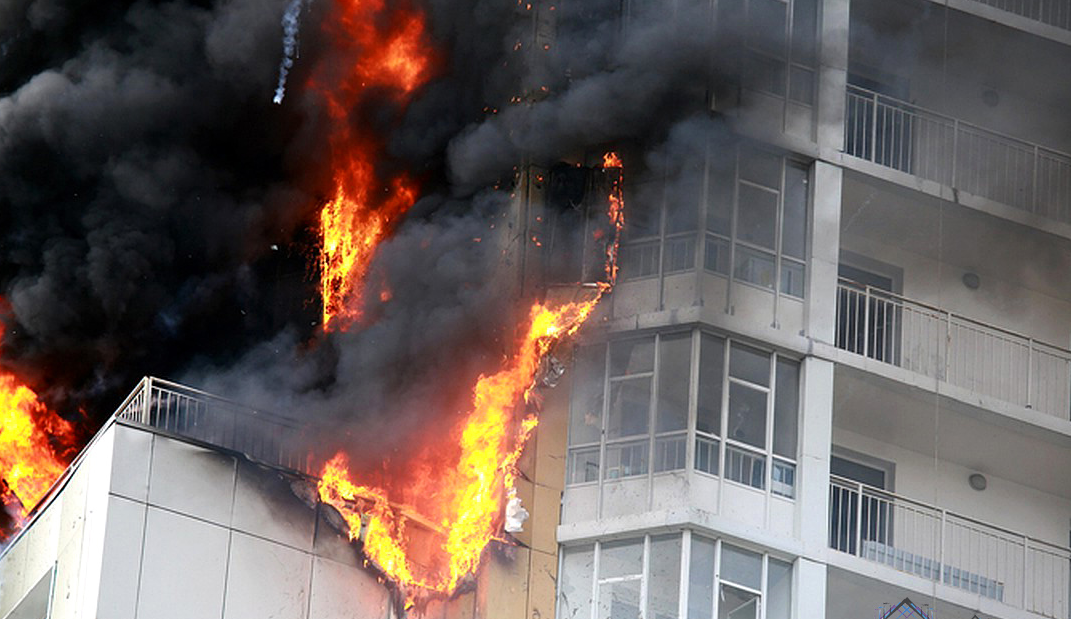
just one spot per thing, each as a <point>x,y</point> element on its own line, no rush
<point>183,573</point>
<point>343,592</point>
<point>265,579</point>
<point>265,506</point>
<point>192,480</point>
<point>130,464</point>
<point>124,537</point>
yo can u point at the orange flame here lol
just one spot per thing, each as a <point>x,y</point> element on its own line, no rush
<point>386,52</point>
<point>29,434</point>
<point>469,494</point>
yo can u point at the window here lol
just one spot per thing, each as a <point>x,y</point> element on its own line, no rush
<point>768,243</point>
<point>780,47</point>
<point>745,416</point>
<point>617,579</point>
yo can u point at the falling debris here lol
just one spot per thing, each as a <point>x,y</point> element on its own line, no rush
<point>516,514</point>
<point>291,25</point>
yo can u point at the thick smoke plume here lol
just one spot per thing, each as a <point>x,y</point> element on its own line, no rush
<point>157,210</point>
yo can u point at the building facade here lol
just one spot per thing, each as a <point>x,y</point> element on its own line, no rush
<point>834,373</point>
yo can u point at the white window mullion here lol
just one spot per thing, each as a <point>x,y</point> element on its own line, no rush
<point>595,581</point>
<point>645,577</point>
<point>686,562</point>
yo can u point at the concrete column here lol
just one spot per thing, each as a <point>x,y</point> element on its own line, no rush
<point>809,584</point>
<point>816,433</point>
<point>826,181</point>
<point>832,73</point>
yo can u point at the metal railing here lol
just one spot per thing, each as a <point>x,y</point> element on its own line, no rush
<point>936,544</point>
<point>262,437</point>
<point>960,351</point>
<point>1052,12</point>
<point>905,137</point>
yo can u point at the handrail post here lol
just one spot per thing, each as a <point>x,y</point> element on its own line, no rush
<point>866,321</point>
<point>1026,563</point>
<point>955,151</point>
<point>941,537</point>
<point>859,520</point>
<point>948,349</point>
<point>146,398</point>
<point>874,129</point>
<point>1034,181</point>
<point>1029,372</point>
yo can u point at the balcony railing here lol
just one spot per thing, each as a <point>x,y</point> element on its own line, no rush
<point>939,545</point>
<point>187,412</point>
<point>1052,12</point>
<point>960,351</point>
<point>904,137</point>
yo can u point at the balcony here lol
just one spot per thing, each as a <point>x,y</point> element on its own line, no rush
<point>948,548</point>
<point>898,135</point>
<point>193,414</point>
<point>962,352</point>
<point>1055,13</point>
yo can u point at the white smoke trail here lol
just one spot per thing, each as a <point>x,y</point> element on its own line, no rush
<point>291,24</point>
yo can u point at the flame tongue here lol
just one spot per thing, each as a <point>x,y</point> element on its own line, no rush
<point>386,54</point>
<point>468,493</point>
<point>29,433</point>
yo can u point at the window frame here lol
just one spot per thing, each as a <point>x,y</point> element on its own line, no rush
<point>684,581</point>
<point>695,441</point>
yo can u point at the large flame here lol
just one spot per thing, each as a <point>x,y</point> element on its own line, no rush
<point>384,52</point>
<point>469,492</point>
<point>33,443</point>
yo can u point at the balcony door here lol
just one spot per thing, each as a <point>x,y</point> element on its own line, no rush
<point>868,315</point>
<point>860,529</point>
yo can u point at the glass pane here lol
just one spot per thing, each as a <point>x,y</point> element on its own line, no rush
<point>621,558</point>
<point>754,266</point>
<point>749,364</point>
<point>682,200</point>
<point>757,216</point>
<point>670,452</point>
<point>626,459</point>
<point>760,167</point>
<point>792,278</point>
<point>619,600</point>
<point>783,479</point>
<point>741,567</point>
<point>764,73</point>
<point>778,590</point>
<point>680,254</point>
<point>639,260</point>
<point>663,588</point>
<point>706,455</point>
<point>641,218</point>
<point>805,31</point>
<point>711,375</point>
<point>674,377</point>
<point>766,26</point>
<point>574,591</point>
<point>585,416</point>
<point>801,85</point>
<point>632,357</point>
<point>745,467</point>
<point>786,408</point>
<point>747,415</point>
<point>720,195</point>
<point>737,604</point>
<point>583,465</point>
<point>630,405</point>
<point>717,255</point>
<point>701,579</point>
<point>794,226</point>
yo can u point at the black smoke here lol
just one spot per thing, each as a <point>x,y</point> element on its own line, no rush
<point>158,212</point>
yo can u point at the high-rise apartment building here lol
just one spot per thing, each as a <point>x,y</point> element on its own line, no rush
<point>834,373</point>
